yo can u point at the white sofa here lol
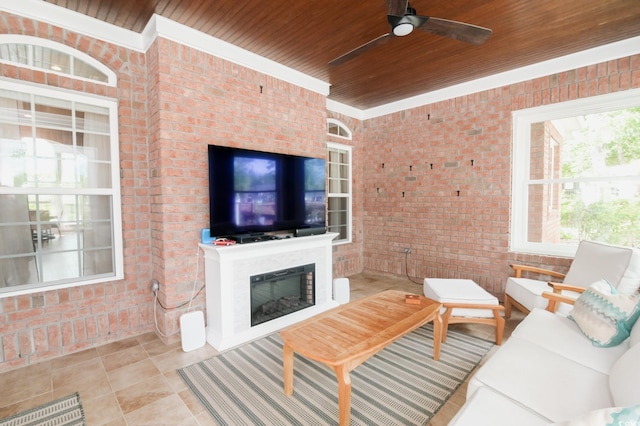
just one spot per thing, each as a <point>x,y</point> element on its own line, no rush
<point>548,372</point>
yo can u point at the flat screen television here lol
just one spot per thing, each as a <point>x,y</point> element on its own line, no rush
<point>252,192</point>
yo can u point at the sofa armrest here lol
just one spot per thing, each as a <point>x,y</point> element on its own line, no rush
<point>520,268</point>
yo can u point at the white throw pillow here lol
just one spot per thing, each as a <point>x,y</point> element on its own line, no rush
<point>604,315</point>
<point>614,416</point>
<point>624,378</point>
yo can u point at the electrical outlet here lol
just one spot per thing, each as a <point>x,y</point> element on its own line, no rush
<point>155,286</point>
<point>407,250</point>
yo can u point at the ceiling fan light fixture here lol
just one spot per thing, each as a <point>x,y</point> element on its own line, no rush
<point>403,29</point>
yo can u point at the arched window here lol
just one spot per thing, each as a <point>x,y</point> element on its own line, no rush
<point>49,56</point>
<point>336,128</point>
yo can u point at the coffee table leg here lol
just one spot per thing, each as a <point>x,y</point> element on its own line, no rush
<point>344,395</point>
<point>288,370</point>
<point>437,336</point>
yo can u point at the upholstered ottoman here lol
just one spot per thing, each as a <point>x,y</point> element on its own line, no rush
<point>464,301</point>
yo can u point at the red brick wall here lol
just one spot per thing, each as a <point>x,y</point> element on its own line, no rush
<point>413,200</point>
<point>48,324</point>
<point>198,100</point>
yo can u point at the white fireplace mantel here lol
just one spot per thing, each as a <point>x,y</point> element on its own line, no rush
<point>227,273</point>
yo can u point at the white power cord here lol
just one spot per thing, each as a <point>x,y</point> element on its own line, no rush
<point>193,294</point>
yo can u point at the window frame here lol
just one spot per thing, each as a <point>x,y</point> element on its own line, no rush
<point>114,192</point>
<point>332,146</point>
<point>521,164</point>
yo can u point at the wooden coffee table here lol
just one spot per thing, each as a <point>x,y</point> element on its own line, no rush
<point>346,336</point>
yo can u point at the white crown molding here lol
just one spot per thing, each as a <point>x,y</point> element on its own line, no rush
<point>345,109</point>
<point>592,56</point>
<point>74,21</point>
<point>171,30</point>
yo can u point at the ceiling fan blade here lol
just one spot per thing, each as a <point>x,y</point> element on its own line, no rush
<point>397,7</point>
<point>456,30</point>
<point>361,49</point>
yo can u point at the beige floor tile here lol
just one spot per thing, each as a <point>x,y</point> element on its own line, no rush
<point>73,359</point>
<point>125,357</point>
<point>26,404</point>
<point>158,347</point>
<point>25,383</point>
<point>103,410</point>
<point>165,411</point>
<point>178,358</point>
<point>118,346</point>
<point>191,401</point>
<point>131,374</point>
<point>87,378</point>
<point>143,393</point>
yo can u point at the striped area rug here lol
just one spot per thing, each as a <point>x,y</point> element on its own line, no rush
<point>401,385</point>
<point>65,411</point>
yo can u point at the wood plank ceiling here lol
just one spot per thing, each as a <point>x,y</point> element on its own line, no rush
<point>307,34</point>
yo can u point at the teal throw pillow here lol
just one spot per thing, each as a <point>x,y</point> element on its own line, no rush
<point>604,315</point>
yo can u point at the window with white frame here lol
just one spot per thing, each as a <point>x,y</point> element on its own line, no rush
<point>576,174</point>
<point>339,194</point>
<point>60,216</point>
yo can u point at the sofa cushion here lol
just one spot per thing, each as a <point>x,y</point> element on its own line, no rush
<point>607,416</point>
<point>489,408</point>
<point>604,315</point>
<point>547,383</point>
<point>624,378</point>
<point>559,334</point>
<point>595,261</point>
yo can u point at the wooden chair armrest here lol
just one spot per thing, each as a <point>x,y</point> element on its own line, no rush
<point>559,287</point>
<point>520,268</point>
<point>473,306</point>
<point>555,298</point>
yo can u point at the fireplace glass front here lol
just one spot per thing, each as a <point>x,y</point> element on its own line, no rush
<point>279,293</point>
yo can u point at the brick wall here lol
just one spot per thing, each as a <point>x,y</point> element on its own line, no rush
<point>422,191</point>
<point>198,100</point>
<point>48,324</point>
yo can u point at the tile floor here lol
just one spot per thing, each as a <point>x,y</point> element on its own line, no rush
<point>134,381</point>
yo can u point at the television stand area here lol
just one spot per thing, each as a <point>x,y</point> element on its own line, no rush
<point>253,238</point>
<point>228,272</point>
<point>261,236</point>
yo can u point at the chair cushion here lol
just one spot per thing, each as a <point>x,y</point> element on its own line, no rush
<point>559,334</point>
<point>460,291</point>
<point>527,292</point>
<point>604,315</point>
<point>624,378</point>
<point>595,261</point>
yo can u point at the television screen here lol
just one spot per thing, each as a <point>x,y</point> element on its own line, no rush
<point>254,189</point>
<point>257,192</point>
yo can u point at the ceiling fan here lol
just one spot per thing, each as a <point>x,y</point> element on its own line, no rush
<point>403,20</point>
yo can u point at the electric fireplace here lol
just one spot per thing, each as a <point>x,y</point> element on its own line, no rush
<point>279,293</point>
